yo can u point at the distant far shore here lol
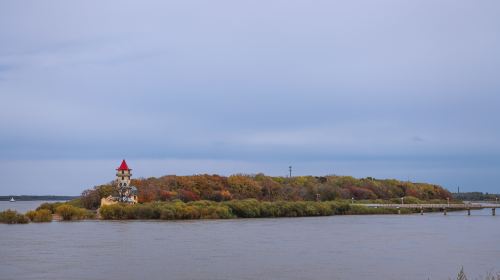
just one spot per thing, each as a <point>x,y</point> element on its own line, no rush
<point>37,197</point>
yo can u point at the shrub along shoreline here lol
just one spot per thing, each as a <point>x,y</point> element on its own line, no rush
<point>46,213</point>
<point>248,208</point>
<point>201,209</point>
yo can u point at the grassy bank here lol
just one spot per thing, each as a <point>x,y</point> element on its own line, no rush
<point>201,209</point>
<point>45,213</point>
<point>39,216</point>
<point>12,217</point>
<point>249,208</point>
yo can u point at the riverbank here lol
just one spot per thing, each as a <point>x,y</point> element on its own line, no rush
<point>249,208</point>
<point>178,210</point>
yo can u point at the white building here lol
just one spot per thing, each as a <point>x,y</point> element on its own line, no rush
<point>126,192</point>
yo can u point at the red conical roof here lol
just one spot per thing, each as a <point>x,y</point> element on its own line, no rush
<point>123,166</point>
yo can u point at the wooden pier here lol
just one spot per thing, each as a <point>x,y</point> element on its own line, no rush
<point>443,207</point>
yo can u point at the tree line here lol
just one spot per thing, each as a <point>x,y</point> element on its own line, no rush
<point>476,196</point>
<point>267,188</point>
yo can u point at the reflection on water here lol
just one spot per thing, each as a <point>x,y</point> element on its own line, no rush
<point>432,246</point>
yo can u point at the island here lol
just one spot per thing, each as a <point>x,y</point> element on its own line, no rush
<point>213,196</point>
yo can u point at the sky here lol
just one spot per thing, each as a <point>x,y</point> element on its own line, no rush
<point>388,89</point>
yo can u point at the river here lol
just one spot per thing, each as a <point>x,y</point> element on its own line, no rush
<point>432,246</point>
<point>23,206</point>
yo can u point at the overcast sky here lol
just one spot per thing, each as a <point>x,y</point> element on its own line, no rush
<point>388,89</point>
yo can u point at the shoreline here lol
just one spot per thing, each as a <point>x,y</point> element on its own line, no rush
<point>200,210</point>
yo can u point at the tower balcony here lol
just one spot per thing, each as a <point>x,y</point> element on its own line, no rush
<point>118,174</point>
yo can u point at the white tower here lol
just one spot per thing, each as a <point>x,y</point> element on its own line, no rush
<point>126,192</point>
<point>123,175</point>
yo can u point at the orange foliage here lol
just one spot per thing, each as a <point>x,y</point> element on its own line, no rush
<point>262,187</point>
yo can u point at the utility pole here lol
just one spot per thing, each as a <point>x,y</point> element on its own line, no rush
<point>290,169</point>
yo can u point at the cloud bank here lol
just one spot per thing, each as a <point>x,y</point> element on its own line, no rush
<point>323,85</point>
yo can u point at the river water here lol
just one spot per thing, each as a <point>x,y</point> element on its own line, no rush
<point>23,206</point>
<point>432,246</point>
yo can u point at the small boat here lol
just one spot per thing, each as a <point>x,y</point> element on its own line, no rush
<point>12,199</point>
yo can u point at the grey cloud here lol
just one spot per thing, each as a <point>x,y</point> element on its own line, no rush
<point>417,139</point>
<point>274,81</point>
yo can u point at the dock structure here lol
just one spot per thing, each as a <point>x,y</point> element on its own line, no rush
<point>443,207</point>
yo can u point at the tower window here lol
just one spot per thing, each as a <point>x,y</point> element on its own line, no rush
<point>123,178</point>
<point>122,171</point>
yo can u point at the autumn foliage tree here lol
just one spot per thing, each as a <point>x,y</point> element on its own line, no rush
<point>91,198</point>
<point>268,188</point>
